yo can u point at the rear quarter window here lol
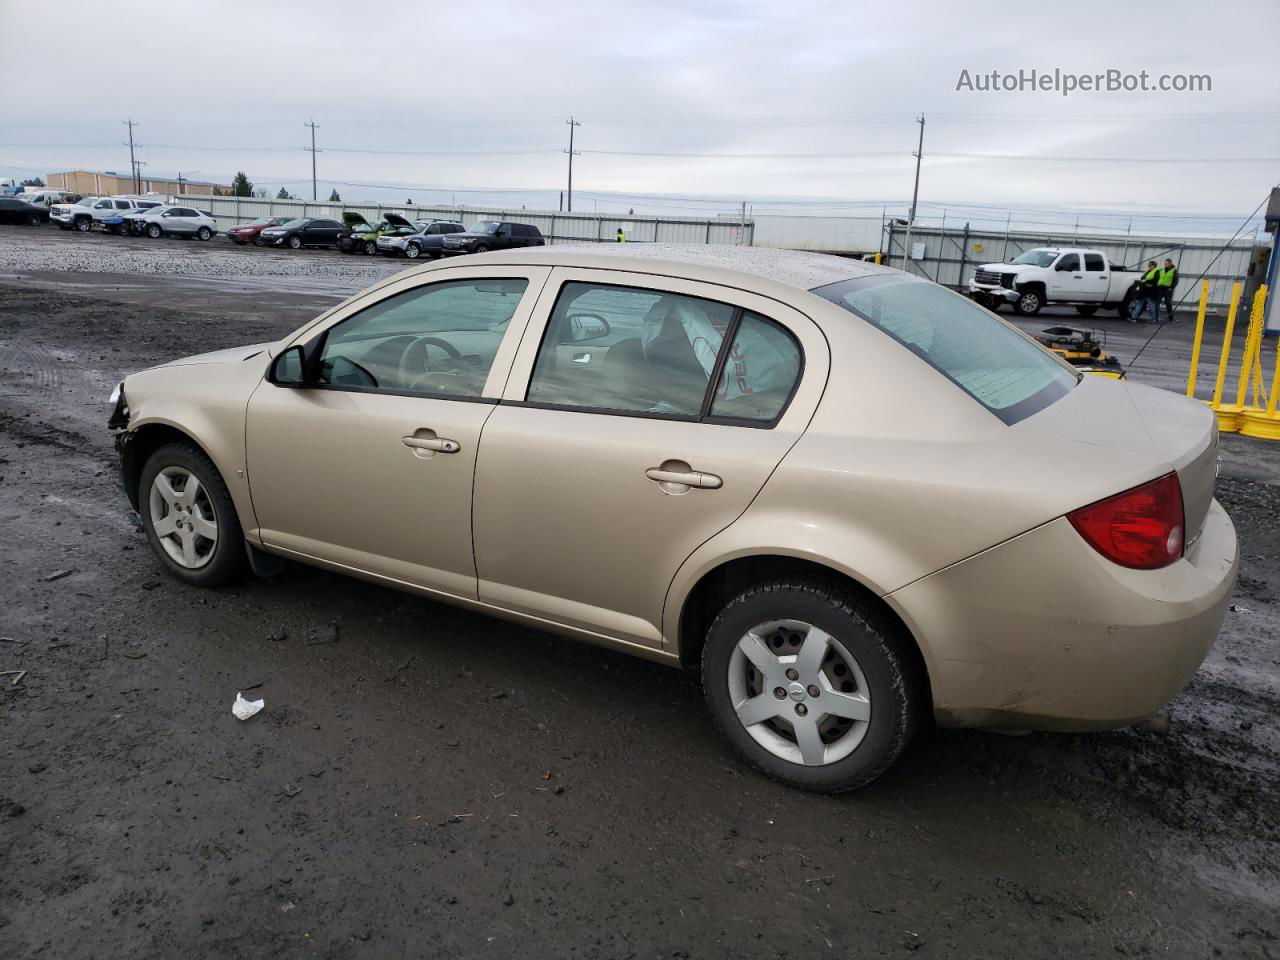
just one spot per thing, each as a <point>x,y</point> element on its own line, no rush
<point>986,358</point>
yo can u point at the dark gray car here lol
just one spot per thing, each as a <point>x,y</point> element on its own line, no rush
<point>493,235</point>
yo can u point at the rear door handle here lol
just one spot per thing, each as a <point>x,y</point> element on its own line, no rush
<point>434,444</point>
<point>692,478</point>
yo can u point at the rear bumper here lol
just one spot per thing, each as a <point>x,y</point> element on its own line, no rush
<point>1043,633</point>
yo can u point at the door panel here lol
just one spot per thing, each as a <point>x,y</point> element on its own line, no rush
<point>581,516</point>
<point>569,526</point>
<point>333,478</point>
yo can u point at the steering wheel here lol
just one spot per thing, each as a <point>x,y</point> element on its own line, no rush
<point>444,345</point>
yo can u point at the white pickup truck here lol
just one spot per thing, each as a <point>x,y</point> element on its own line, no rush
<point>1086,279</point>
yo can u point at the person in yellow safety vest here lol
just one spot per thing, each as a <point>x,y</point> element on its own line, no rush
<point>622,237</point>
<point>1165,282</point>
<point>1147,296</point>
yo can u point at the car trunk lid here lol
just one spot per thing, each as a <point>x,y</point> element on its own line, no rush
<point>1136,424</point>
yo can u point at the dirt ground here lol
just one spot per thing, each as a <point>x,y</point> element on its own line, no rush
<point>432,783</point>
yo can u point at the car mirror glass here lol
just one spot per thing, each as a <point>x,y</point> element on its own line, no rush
<point>288,369</point>
<point>585,326</point>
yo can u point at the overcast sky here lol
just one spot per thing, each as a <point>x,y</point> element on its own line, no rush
<point>221,86</point>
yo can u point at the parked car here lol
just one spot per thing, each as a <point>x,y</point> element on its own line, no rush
<point>126,223</point>
<point>176,221</point>
<point>303,232</point>
<point>849,497</point>
<point>45,197</point>
<point>362,236</point>
<point>1086,278</point>
<point>87,212</point>
<point>427,238</point>
<point>250,232</point>
<point>13,210</point>
<point>493,235</point>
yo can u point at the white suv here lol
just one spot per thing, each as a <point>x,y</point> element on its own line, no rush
<point>176,220</point>
<point>84,213</point>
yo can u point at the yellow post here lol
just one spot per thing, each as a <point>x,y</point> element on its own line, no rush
<point>1252,345</point>
<point>1226,345</point>
<point>877,256</point>
<point>1195,346</point>
<point>1275,385</point>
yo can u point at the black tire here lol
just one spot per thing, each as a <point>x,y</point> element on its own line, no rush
<point>295,242</point>
<point>34,220</point>
<point>84,224</point>
<point>1029,303</point>
<point>228,560</point>
<point>370,248</point>
<point>480,248</point>
<point>153,231</point>
<point>204,233</point>
<point>411,251</point>
<point>1087,310</point>
<point>257,242</point>
<point>1125,308</point>
<point>896,690</point>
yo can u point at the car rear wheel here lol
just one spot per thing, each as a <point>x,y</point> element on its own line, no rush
<point>411,251</point>
<point>1087,310</point>
<point>34,220</point>
<point>811,683</point>
<point>295,242</point>
<point>370,248</point>
<point>204,233</point>
<point>189,518</point>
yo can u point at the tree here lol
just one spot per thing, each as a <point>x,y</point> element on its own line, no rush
<point>241,186</point>
<point>33,182</point>
<point>283,194</point>
<point>333,197</point>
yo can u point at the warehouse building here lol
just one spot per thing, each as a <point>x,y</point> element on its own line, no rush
<point>109,183</point>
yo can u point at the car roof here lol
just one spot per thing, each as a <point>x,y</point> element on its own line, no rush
<point>793,268</point>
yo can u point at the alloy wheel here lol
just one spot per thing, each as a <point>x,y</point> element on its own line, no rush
<point>799,692</point>
<point>183,518</point>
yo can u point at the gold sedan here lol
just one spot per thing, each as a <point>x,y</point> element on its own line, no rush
<point>853,500</point>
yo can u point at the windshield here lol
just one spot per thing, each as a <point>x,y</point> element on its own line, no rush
<point>300,221</point>
<point>1037,258</point>
<point>86,201</point>
<point>486,226</point>
<point>986,358</point>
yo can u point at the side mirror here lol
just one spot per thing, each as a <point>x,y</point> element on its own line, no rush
<point>288,369</point>
<point>586,326</point>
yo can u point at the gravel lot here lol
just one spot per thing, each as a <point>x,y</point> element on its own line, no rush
<point>428,782</point>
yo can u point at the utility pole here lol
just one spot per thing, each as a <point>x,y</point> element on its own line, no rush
<point>133,165</point>
<point>742,228</point>
<point>313,151</point>
<point>915,192</point>
<point>137,175</point>
<point>572,123</point>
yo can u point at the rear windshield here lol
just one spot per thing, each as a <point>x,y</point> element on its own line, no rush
<point>986,358</point>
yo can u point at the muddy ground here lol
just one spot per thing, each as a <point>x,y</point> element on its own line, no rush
<point>437,784</point>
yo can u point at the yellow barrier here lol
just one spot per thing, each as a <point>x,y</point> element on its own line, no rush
<point>1228,423</point>
<point>1250,419</point>
<point>1195,346</point>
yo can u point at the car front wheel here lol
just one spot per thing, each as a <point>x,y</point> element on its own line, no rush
<point>84,224</point>
<point>189,518</point>
<point>154,231</point>
<point>295,242</point>
<point>411,251</point>
<point>811,684</point>
<point>1028,303</point>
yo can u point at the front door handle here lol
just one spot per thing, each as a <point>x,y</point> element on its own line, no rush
<point>434,444</point>
<point>669,479</point>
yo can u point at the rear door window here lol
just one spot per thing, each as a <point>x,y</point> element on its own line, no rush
<point>1094,263</point>
<point>986,358</point>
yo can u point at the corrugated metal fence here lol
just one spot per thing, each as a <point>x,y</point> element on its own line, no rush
<point>555,226</point>
<point>951,254</point>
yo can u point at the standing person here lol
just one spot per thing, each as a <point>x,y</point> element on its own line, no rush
<point>622,237</point>
<point>1147,296</point>
<point>1165,283</point>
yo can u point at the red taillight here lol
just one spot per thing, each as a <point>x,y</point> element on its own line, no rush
<point>1142,528</point>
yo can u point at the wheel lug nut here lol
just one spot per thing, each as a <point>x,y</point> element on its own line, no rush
<point>779,693</point>
<point>813,691</point>
<point>801,709</point>
<point>792,675</point>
